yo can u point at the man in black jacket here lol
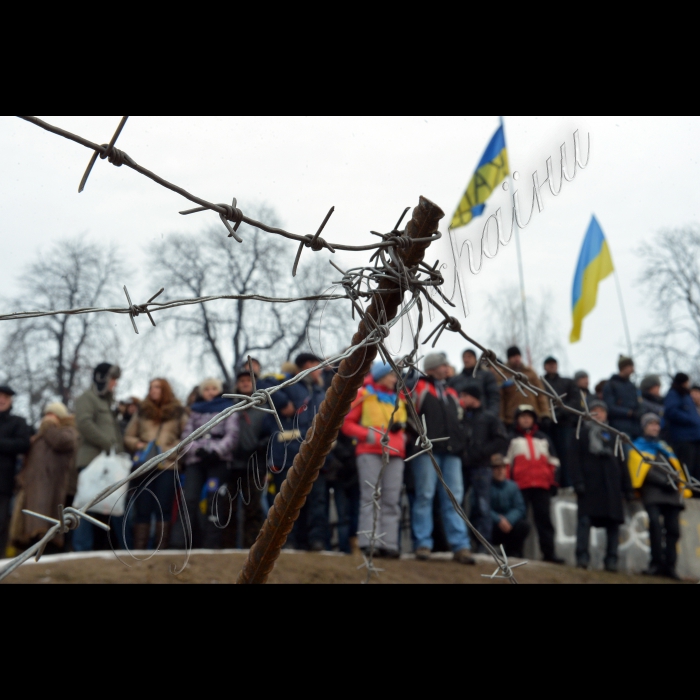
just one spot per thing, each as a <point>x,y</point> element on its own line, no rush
<point>621,396</point>
<point>484,380</point>
<point>485,440</point>
<point>14,441</point>
<point>562,432</point>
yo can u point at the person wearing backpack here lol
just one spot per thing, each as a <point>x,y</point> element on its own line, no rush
<point>155,428</point>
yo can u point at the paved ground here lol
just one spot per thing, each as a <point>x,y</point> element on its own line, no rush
<point>292,567</point>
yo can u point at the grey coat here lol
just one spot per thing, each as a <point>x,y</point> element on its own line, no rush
<point>97,425</point>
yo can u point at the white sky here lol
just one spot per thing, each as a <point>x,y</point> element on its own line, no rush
<point>639,179</point>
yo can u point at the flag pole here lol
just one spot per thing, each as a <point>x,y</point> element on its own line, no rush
<point>520,261</point>
<point>624,314</point>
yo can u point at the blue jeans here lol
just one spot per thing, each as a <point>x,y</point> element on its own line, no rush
<point>481,513</point>
<point>426,482</point>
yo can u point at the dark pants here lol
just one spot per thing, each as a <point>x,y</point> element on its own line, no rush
<point>583,536</point>
<point>563,437</point>
<point>311,527</point>
<point>206,527</point>
<point>540,500</point>
<point>158,503</point>
<point>4,522</point>
<point>663,524</point>
<point>689,454</point>
<point>245,495</point>
<point>481,479</point>
<point>512,541</point>
<point>347,503</point>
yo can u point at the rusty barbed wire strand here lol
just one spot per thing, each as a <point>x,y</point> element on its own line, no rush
<point>227,213</point>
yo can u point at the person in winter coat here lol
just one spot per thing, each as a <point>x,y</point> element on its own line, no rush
<point>582,383</point>
<point>296,406</point>
<point>511,398</point>
<point>601,482</point>
<point>247,474</point>
<point>484,380</point>
<point>486,439</point>
<point>99,432</point>
<point>14,441</point>
<point>439,405</point>
<point>563,431</point>
<point>156,427</point>
<point>662,495</point>
<point>682,423</point>
<point>652,401</point>
<point>376,409</point>
<point>206,465</point>
<point>43,480</point>
<point>508,512</point>
<point>621,397</point>
<point>533,464</point>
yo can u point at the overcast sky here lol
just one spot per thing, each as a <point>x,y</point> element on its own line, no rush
<point>639,180</point>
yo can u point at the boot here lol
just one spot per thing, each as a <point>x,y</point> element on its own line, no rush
<point>141,532</point>
<point>162,537</point>
<point>354,545</point>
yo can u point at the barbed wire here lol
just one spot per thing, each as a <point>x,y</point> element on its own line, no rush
<point>423,283</point>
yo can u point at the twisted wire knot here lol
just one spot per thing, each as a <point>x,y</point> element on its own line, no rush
<point>316,243</point>
<point>232,213</point>
<point>115,156</point>
<point>453,324</point>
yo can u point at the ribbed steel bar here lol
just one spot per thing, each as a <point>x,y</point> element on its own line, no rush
<point>336,405</point>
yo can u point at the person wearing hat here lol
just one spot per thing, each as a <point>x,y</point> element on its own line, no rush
<point>439,405</point>
<point>43,480</point>
<point>652,401</point>
<point>682,423</point>
<point>508,512</point>
<point>662,494</point>
<point>14,441</point>
<point>99,432</point>
<point>533,464</point>
<point>296,406</point>
<point>376,409</point>
<point>511,397</point>
<point>563,430</point>
<point>583,392</point>
<point>483,379</point>
<point>601,482</point>
<point>622,399</point>
<point>485,439</point>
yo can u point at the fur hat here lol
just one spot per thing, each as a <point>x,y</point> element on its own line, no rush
<point>103,373</point>
<point>212,381</point>
<point>57,409</point>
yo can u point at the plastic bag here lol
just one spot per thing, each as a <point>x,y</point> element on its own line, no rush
<point>106,469</point>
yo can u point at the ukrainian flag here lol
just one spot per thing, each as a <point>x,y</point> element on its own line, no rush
<point>491,171</point>
<point>594,265</point>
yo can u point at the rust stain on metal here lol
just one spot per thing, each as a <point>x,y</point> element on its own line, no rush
<point>336,405</point>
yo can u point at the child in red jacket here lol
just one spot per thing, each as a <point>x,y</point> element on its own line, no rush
<point>375,407</point>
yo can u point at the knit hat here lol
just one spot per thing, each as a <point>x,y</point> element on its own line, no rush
<point>680,379</point>
<point>103,373</point>
<point>624,362</point>
<point>513,352</point>
<point>57,409</point>
<point>469,351</point>
<point>212,381</point>
<point>650,418</point>
<point>597,403</point>
<point>472,390</point>
<point>435,360</point>
<point>580,375</point>
<point>380,370</point>
<point>649,382</point>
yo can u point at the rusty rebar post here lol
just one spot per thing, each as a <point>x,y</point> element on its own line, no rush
<point>336,405</point>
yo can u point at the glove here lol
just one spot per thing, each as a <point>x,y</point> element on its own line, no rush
<point>397,427</point>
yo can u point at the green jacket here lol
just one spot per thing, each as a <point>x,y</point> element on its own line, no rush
<point>97,425</point>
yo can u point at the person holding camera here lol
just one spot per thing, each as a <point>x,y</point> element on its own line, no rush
<point>376,408</point>
<point>206,465</point>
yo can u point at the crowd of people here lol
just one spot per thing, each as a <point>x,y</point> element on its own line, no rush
<point>499,453</point>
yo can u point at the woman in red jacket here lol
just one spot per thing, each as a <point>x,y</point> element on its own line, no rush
<point>375,407</point>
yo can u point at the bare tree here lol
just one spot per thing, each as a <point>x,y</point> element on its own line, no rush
<point>507,325</point>
<point>51,357</point>
<point>210,263</point>
<point>670,278</point>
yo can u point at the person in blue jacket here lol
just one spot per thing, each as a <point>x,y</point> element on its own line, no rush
<point>682,423</point>
<point>508,512</point>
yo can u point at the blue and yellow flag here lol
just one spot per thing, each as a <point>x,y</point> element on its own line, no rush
<point>594,265</point>
<point>491,171</point>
